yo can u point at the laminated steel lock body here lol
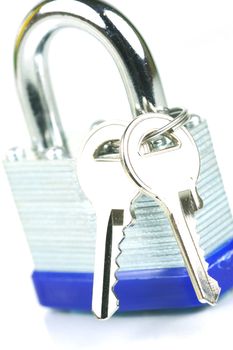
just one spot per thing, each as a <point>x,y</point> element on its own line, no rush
<point>57,218</point>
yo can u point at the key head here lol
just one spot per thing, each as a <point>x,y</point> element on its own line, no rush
<point>99,168</point>
<point>172,167</point>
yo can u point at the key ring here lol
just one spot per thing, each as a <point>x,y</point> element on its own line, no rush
<point>180,115</point>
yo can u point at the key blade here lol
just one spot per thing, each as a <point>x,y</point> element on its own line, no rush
<point>190,202</point>
<point>104,300</point>
<point>181,214</point>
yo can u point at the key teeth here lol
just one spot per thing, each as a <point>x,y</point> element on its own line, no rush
<point>115,275</point>
<point>131,223</point>
<point>115,305</point>
<point>117,265</point>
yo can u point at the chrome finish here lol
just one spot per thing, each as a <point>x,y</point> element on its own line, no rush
<point>170,177</point>
<point>60,223</point>
<point>193,121</point>
<point>111,201</point>
<point>16,154</point>
<point>180,117</point>
<point>114,30</point>
<point>55,153</point>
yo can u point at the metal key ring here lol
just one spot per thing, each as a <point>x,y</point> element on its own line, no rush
<point>180,115</point>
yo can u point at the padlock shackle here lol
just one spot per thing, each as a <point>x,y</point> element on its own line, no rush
<point>119,36</point>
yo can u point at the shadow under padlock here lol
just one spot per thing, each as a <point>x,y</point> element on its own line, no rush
<point>59,221</point>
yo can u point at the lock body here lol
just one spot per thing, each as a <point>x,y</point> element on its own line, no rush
<point>60,226</point>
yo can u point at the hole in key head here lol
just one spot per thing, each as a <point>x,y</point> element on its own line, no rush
<point>159,143</point>
<point>108,151</point>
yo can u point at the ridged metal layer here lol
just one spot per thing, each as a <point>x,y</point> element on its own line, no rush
<point>59,222</point>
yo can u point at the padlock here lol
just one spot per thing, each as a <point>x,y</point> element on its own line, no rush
<point>59,221</point>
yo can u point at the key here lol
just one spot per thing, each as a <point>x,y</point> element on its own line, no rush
<point>103,180</point>
<point>169,174</point>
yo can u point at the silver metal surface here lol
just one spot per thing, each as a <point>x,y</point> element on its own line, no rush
<point>16,154</point>
<point>113,29</point>
<point>179,118</point>
<point>110,191</point>
<point>60,222</point>
<point>170,176</point>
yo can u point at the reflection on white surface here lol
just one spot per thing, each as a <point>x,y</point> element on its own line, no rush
<point>137,330</point>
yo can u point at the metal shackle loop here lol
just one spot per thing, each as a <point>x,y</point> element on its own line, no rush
<point>119,36</point>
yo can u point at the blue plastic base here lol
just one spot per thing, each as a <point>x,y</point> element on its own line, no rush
<point>136,290</point>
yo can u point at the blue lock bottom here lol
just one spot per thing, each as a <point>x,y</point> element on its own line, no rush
<point>137,290</point>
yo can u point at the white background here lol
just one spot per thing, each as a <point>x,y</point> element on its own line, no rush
<point>192,42</point>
